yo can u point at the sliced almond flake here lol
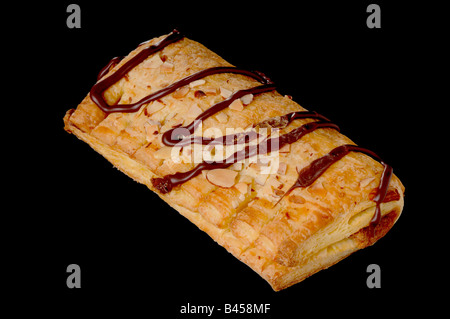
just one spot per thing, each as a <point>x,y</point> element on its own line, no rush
<point>164,152</point>
<point>242,187</point>
<point>225,93</point>
<point>221,117</point>
<point>222,177</point>
<point>153,62</point>
<point>236,105</point>
<point>261,179</point>
<point>241,197</point>
<point>167,67</point>
<point>278,192</point>
<point>197,83</point>
<point>199,94</point>
<point>297,199</point>
<point>152,129</point>
<point>154,107</point>
<point>194,110</point>
<point>181,92</point>
<point>210,91</point>
<point>282,168</point>
<point>247,99</point>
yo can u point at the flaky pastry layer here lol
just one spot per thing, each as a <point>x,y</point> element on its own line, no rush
<point>285,241</point>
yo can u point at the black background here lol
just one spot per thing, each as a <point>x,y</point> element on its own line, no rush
<point>139,256</point>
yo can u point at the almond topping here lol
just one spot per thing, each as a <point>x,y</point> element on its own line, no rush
<point>221,177</point>
<point>236,105</point>
<point>242,187</point>
<point>221,117</point>
<point>199,94</point>
<point>197,83</point>
<point>247,99</point>
<point>181,92</point>
<point>153,62</point>
<point>210,91</point>
<point>194,110</point>
<point>261,179</point>
<point>167,67</point>
<point>163,153</point>
<point>151,128</point>
<point>278,192</point>
<point>282,168</point>
<point>225,93</point>
<point>154,107</point>
<point>296,199</point>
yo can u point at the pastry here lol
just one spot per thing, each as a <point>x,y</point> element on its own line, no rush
<point>277,185</point>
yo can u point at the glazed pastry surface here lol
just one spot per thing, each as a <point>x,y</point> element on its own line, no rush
<point>277,185</point>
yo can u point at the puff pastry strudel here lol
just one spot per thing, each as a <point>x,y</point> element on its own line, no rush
<point>276,185</point>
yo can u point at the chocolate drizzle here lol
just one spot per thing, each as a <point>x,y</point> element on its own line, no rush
<point>307,175</point>
<point>98,89</point>
<point>112,63</point>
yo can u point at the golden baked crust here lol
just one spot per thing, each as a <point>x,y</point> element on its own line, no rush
<point>284,241</point>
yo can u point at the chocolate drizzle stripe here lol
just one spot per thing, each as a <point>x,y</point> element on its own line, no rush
<point>381,194</point>
<point>97,90</point>
<point>113,62</point>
